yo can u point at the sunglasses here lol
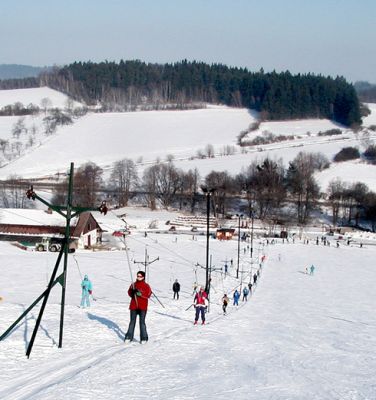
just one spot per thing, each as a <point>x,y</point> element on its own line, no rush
<point>139,276</point>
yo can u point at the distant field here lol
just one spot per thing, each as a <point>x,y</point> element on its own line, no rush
<point>147,136</point>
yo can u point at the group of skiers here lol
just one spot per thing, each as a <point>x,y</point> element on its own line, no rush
<point>140,292</point>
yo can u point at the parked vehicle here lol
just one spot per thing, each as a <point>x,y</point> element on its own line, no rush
<point>50,244</point>
<point>53,244</point>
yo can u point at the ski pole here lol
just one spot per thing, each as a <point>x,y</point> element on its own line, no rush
<point>188,307</point>
<point>158,299</point>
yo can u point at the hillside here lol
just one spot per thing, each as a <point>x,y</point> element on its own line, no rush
<point>35,96</point>
<point>144,137</point>
<point>130,85</point>
<point>16,71</point>
<point>298,336</point>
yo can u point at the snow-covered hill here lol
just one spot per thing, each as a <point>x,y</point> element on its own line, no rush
<point>148,136</point>
<point>298,337</point>
<point>36,96</point>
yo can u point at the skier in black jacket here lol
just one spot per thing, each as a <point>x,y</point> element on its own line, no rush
<point>176,289</point>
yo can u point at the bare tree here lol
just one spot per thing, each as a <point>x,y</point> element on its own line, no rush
<point>336,189</point>
<point>18,128</point>
<point>302,185</point>
<point>4,144</point>
<point>209,151</point>
<point>224,186</point>
<point>87,183</point>
<point>13,193</point>
<point>123,178</point>
<point>161,181</point>
<point>191,181</point>
<point>149,183</point>
<point>46,103</point>
<point>264,186</point>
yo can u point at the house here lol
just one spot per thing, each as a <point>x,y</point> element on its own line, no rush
<point>225,233</point>
<point>18,224</point>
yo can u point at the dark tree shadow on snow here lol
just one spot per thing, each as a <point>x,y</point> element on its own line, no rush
<point>110,325</point>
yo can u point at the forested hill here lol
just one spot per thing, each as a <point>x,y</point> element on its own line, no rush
<point>134,84</point>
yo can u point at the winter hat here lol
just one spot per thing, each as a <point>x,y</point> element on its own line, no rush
<point>141,273</point>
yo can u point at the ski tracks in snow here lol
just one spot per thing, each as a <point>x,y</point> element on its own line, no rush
<point>58,372</point>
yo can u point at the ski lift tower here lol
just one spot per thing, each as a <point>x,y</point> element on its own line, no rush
<point>68,212</point>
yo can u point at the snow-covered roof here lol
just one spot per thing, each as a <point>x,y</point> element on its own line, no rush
<point>20,216</point>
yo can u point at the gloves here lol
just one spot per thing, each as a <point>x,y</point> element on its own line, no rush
<point>135,292</point>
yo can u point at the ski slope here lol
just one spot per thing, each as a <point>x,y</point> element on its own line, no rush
<point>299,336</point>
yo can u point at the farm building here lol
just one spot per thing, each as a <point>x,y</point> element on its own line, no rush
<point>31,226</point>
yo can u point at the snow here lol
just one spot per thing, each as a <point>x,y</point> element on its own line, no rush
<point>370,119</point>
<point>35,96</point>
<point>299,336</point>
<point>297,127</point>
<point>106,138</point>
<point>145,137</point>
<point>350,172</point>
<point>20,216</point>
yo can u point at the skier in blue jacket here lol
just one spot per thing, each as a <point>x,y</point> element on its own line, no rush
<point>236,297</point>
<point>87,288</point>
<point>245,293</point>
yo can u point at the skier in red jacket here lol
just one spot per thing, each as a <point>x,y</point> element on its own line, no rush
<point>201,303</point>
<point>139,292</point>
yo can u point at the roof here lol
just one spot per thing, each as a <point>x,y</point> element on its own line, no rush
<point>27,217</point>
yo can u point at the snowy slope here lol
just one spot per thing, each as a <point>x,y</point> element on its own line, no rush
<point>35,96</point>
<point>105,138</point>
<point>298,337</point>
<point>148,136</point>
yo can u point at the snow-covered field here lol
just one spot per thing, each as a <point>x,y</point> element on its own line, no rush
<point>150,135</point>
<point>36,96</point>
<point>298,337</point>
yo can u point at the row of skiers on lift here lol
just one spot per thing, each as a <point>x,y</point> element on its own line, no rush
<point>140,292</point>
<point>87,291</point>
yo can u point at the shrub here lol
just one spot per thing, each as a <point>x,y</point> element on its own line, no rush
<point>330,132</point>
<point>370,153</point>
<point>347,153</point>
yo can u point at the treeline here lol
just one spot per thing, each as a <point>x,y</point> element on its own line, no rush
<point>129,85</point>
<point>366,91</point>
<point>19,83</point>
<point>265,189</point>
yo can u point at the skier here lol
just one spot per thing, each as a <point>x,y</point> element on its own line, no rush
<point>87,289</point>
<point>236,297</point>
<point>250,287</point>
<point>312,269</point>
<point>245,293</point>
<point>139,292</point>
<point>200,303</point>
<point>176,289</point>
<point>225,301</point>
<point>194,288</point>
<point>255,279</point>
<point>226,269</point>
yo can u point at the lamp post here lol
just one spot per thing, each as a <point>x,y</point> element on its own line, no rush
<point>237,269</point>
<point>208,193</point>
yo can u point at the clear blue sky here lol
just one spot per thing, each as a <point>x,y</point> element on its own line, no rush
<point>321,36</point>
